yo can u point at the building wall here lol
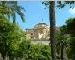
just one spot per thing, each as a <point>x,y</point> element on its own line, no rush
<point>41,42</point>
<point>40,32</point>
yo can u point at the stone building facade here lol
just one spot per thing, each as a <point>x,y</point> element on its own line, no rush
<point>38,34</point>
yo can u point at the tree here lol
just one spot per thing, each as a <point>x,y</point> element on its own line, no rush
<point>70,26</point>
<point>70,29</point>
<point>60,4</point>
<point>52,28</point>
<point>10,37</point>
<point>4,29</point>
<point>10,8</point>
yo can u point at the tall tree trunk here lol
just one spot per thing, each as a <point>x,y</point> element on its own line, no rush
<point>3,57</point>
<point>11,58</point>
<point>52,28</point>
<point>62,47</point>
<point>65,57</point>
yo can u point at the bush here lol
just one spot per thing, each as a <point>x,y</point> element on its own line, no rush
<point>13,43</point>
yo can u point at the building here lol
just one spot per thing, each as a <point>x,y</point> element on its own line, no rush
<point>38,34</point>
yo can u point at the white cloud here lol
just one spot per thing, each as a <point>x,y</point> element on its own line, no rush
<point>72,10</point>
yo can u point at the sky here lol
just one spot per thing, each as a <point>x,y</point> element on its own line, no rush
<point>36,12</point>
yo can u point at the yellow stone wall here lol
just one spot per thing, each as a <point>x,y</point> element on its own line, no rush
<point>41,31</point>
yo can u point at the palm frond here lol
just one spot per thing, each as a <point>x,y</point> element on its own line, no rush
<point>11,8</point>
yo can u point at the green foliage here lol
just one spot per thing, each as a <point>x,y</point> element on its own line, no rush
<point>62,4</point>
<point>70,31</point>
<point>10,8</point>
<point>4,30</point>
<point>34,52</point>
<point>10,37</point>
<point>40,52</point>
<point>14,44</point>
<point>63,29</point>
<point>71,48</point>
<point>70,26</point>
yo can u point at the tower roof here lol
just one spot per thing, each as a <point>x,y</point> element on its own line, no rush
<point>40,25</point>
